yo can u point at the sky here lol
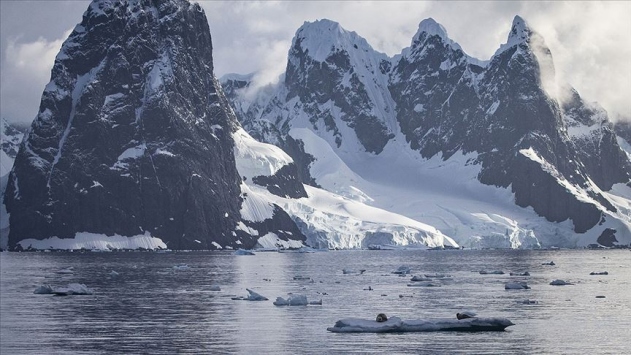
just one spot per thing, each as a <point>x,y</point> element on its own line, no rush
<point>590,41</point>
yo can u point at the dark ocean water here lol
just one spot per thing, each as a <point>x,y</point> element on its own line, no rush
<point>152,307</point>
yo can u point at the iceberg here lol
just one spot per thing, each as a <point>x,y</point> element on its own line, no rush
<point>420,278</point>
<point>181,267</point>
<point>424,284</point>
<point>72,289</point>
<point>560,283</point>
<point>43,290</point>
<point>214,288</point>
<point>494,272</point>
<point>349,271</point>
<point>253,296</point>
<point>396,325</point>
<point>516,285</point>
<point>292,300</point>
<point>66,271</point>
<point>402,270</point>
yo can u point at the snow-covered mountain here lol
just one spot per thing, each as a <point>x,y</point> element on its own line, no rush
<point>11,136</point>
<point>135,145</point>
<point>491,153</point>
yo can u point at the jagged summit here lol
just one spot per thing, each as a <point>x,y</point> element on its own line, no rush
<point>520,32</point>
<point>430,27</point>
<point>323,37</point>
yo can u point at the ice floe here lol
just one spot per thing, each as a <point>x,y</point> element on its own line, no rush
<point>396,325</point>
<point>402,270</point>
<point>252,296</point>
<point>295,300</point>
<point>516,285</point>
<point>560,283</point>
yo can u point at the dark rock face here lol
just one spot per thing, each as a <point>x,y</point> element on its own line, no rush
<point>133,134</point>
<point>283,183</point>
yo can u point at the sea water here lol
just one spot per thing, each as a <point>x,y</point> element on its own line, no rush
<point>164,303</point>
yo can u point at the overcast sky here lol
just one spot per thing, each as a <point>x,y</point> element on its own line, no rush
<point>590,41</point>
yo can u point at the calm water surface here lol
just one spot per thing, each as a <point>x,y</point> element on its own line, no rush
<point>150,307</point>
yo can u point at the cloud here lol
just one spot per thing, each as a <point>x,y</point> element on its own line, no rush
<point>25,71</point>
<point>589,40</point>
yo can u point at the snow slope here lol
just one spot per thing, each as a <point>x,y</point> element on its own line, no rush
<point>327,219</point>
<point>443,194</point>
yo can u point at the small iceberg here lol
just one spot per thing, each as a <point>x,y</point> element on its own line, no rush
<point>420,278</point>
<point>396,325</point>
<point>253,296</point>
<point>181,267</point>
<point>516,285</point>
<point>72,289</point>
<point>43,290</point>
<point>214,288</point>
<point>425,284</point>
<point>113,273</point>
<point>494,272</point>
<point>560,283</point>
<point>351,271</point>
<point>551,263</point>
<point>599,273</point>
<point>438,276</point>
<point>243,252</point>
<point>525,273</point>
<point>402,270</point>
<point>295,300</point>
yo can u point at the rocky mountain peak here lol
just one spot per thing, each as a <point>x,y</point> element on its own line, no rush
<point>520,32</point>
<point>429,27</point>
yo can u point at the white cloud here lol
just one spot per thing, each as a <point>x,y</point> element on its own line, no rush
<point>589,40</point>
<point>25,71</point>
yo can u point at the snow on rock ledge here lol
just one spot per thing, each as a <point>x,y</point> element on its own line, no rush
<point>84,240</point>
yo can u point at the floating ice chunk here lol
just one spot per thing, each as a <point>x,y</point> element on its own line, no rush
<point>425,284</point>
<point>253,296</point>
<point>181,267</point>
<point>494,272</point>
<point>437,276</point>
<point>215,288</point>
<point>599,273</point>
<point>243,252</point>
<point>560,283</point>
<point>402,270</point>
<point>551,263</point>
<point>114,273</point>
<point>420,278</point>
<point>395,325</point>
<point>72,289</point>
<point>43,290</point>
<point>516,285</point>
<point>292,300</point>
<point>526,273</point>
<point>350,271</point>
